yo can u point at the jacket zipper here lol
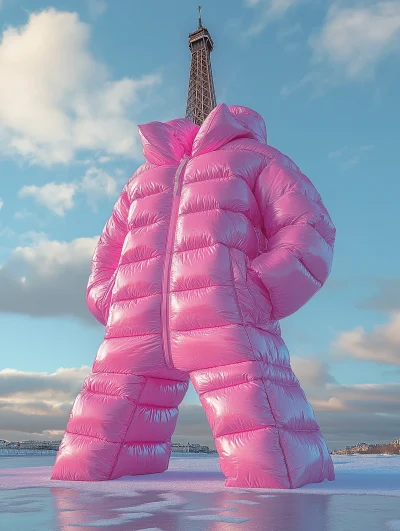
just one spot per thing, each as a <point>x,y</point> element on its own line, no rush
<point>168,261</point>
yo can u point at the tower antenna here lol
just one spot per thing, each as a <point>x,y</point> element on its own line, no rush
<point>201,93</point>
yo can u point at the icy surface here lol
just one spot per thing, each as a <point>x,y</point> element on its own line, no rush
<point>191,495</point>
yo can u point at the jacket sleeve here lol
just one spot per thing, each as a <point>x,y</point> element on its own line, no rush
<point>106,258</point>
<point>300,237</point>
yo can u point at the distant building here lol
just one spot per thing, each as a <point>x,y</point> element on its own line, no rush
<point>191,448</point>
<point>28,447</point>
<point>391,448</point>
<point>178,447</point>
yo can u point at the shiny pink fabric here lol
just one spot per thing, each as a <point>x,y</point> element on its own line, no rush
<point>212,241</point>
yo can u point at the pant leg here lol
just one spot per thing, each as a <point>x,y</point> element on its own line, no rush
<point>121,424</point>
<point>264,428</point>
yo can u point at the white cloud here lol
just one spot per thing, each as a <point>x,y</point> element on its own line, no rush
<point>350,157</point>
<point>354,39</point>
<point>64,382</point>
<point>381,345</point>
<point>47,256</point>
<point>55,276</point>
<point>352,161</point>
<point>289,88</point>
<point>96,7</point>
<point>97,184</point>
<point>387,297</point>
<point>32,236</point>
<point>267,11</point>
<point>288,33</point>
<point>105,159</point>
<point>7,233</point>
<point>348,414</point>
<point>57,197</point>
<point>337,153</point>
<point>37,404</point>
<point>23,214</point>
<point>368,147</point>
<point>56,100</point>
<point>311,372</point>
<point>1,203</point>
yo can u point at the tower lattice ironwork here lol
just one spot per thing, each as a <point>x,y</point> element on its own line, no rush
<point>201,94</point>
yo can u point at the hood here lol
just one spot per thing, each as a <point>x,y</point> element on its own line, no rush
<point>168,142</point>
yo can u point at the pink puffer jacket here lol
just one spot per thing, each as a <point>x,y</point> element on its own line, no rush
<point>212,241</point>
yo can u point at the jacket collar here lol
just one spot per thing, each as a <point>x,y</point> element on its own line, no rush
<point>169,142</point>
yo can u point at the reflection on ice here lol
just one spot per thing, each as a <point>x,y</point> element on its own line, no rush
<point>191,495</point>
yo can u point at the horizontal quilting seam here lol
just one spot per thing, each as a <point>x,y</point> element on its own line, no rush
<point>280,365</point>
<point>131,336</point>
<point>92,437</point>
<point>228,434</point>
<point>265,428</point>
<point>87,390</point>
<point>149,195</point>
<point>200,247</point>
<point>135,298</point>
<point>221,366</point>
<point>142,378</point>
<point>207,246</point>
<point>125,443</point>
<point>237,325</point>
<point>129,399</point>
<point>307,224</point>
<point>262,379</point>
<point>263,330</point>
<point>108,243</point>
<point>136,227</point>
<point>229,386</point>
<point>152,406</point>
<point>218,208</point>
<point>202,287</point>
<point>293,191</point>
<point>246,431</point>
<point>269,157</point>
<point>277,382</point>
<point>231,177</point>
<point>142,260</point>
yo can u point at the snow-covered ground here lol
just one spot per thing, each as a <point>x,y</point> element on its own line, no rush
<point>191,496</point>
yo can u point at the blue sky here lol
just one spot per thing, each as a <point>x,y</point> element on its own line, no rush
<point>75,80</point>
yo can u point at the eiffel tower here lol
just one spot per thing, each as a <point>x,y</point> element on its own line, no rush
<point>201,94</point>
